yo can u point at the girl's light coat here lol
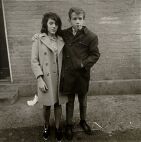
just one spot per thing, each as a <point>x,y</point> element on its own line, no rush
<point>43,62</point>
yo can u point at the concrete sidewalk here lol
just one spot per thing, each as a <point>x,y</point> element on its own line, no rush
<point>115,114</point>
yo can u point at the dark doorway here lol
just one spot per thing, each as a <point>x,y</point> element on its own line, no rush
<point>4,65</point>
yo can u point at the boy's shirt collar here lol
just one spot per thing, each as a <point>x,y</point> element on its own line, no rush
<point>74,31</point>
<point>84,29</point>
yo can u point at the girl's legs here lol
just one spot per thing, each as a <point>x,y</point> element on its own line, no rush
<point>58,115</point>
<point>46,115</point>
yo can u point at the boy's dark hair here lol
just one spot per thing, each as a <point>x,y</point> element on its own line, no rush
<point>53,16</point>
<point>77,11</point>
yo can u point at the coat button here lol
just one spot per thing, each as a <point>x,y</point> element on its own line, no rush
<point>45,53</point>
<point>46,64</point>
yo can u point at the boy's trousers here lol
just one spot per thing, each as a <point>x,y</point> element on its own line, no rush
<point>82,98</point>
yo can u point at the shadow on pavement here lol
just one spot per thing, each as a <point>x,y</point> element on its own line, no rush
<point>34,134</point>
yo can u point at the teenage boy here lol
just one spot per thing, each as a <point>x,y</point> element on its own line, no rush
<point>80,54</point>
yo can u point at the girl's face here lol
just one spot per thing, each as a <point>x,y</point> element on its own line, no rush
<point>52,27</point>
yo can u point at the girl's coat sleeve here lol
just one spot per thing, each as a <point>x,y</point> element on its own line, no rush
<point>35,61</point>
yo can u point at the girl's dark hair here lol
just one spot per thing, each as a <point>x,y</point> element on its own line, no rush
<point>53,16</point>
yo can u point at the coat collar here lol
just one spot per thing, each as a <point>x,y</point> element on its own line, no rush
<point>46,40</point>
<point>60,44</point>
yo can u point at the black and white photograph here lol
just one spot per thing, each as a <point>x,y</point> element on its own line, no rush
<point>70,70</point>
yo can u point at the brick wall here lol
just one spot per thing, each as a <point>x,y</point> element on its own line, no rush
<point>117,23</point>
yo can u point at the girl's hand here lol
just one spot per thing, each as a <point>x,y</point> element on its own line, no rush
<point>42,85</point>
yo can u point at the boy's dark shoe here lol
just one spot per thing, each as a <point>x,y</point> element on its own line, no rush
<point>58,134</point>
<point>46,133</point>
<point>69,133</point>
<point>85,127</point>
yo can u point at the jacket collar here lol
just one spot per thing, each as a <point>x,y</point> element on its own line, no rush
<point>85,29</point>
<point>60,44</point>
<point>46,40</point>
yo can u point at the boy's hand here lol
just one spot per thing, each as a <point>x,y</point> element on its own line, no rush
<point>36,36</point>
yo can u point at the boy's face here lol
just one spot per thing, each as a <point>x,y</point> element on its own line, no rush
<point>77,21</point>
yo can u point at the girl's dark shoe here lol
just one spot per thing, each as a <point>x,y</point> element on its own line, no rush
<point>58,134</point>
<point>46,132</point>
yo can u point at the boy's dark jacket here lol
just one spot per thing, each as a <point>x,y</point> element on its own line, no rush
<point>80,53</point>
